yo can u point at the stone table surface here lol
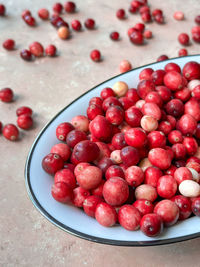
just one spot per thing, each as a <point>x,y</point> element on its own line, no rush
<point>49,84</point>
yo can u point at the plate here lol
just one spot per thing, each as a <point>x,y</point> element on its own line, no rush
<point>73,220</point>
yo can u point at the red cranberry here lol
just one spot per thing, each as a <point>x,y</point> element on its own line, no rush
<point>136,37</point>
<point>76,25</point>
<point>114,36</point>
<point>121,13</point>
<point>90,204</point>
<point>89,24</point>
<point>187,125</point>
<point>10,132</point>
<point>182,52</point>
<point>152,175</point>
<point>171,170</point>
<point>196,92</point>
<point>96,101</point>
<point>101,128</point>
<point>166,186</point>
<point>50,50</point>
<point>63,129</point>
<point>55,19</point>
<point>126,102</point>
<point>139,27</point>
<point>146,73</point>
<point>132,9</point>
<point>135,137</point>
<point>144,87</point>
<point>172,67</point>
<point>162,58</point>
<point>74,137</point>
<point>165,127</point>
<point>110,101</point>
<point>2,10</point>
<point>191,70</point>
<point>184,94</point>
<point>196,37</point>
<point>70,7</point>
<point>175,107</point>
<point>107,92</point>
<point>133,116</point>
<point>144,206</point>
<point>179,151</point>
<point>154,97</point>
<point>156,139</point>
<point>43,13</point>
<point>95,55</point>
<point>6,95</point>
<point>90,177</point>
<point>86,151</point>
<point>61,192</point>
<point>9,44</point>
<point>164,92</point>
<point>184,206</point>
<point>114,171</point>
<point>93,111</point>
<point>52,163</point>
<point>182,174</point>
<point>63,150</point>
<point>160,158</point>
<point>80,194</point>
<point>36,49</point>
<point>115,115</point>
<point>191,145</point>
<point>134,176</point>
<point>129,217</point>
<point>25,121</point>
<point>168,211</point>
<point>105,214</point>
<point>157,77</point>
<point>57,8</point>
<point>30,21</point>
<point>151,109</point>
<point>129,155</point>
<point>159,19</point>
<point>151,224</point>
<point>175,137</point>
<point>146,17</point>
<point>104,164</point>
<point>196,206</point>
<point>144,9</point>
<point>192,107</point>
<point>26,13</point>
<point>98,191</point>
<point>173,80</point>
<point>26,55</point>
<point>65,176</point>
<point>118,141</point>
<point>147,34</point>
<point>184,38</point>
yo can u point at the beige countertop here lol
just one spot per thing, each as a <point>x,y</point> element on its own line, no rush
<point>49,84</point>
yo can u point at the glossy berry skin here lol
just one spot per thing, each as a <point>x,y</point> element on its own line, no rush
<point>94,110</point>
<point>132,95</point>
<point>115,115</point>
<point>164,92</point>
<point>43,13</point>
<point>134,176</point>
<point>25,121</point>
<point>30,21</point>
<point>25,13</point>
<point>184,206</point>
<point>129,217</point>
<point>105,214</point>
<point>144,87</point>
<point>145,74</point>
<point>2,10</point>
<point>196,206</point>
<point>133,116</point>
<point>90,204</point>
<point>154,97</point>
<point>26,55</point>
<point>89,24</point>
<point>90,177</point>
<point>192,108</point>
<point>24,111</point>
<point>95,55</point>
<point>118,141</point>
<point>74,137</point>
<point>120,14</point>
<point>168,211</point>
<point>126,102</point>
<point>62,149</point>
<point>10,132</point>
<point>172,67</point>
<point>101,128</point>
<point>144,206</point>
<point>70,7</point>
<point>114,36</point>
<point>6,95</point>
<point>175,137</point>
<point>50,50</point>
<point>107,92</point>
<point>63,129</point>
<point>156,139</point>
<point>86,151</point>
<point>162,58</point>
<point>146,191</point>
<point>146,17</point>
<point>191,70</point>
<point>191,145</point>
<point>173,80</point>
<point>152,175</point>
<point>52,163</point>
<point>187,125</point>
<point>182,52</point>
<point>80,195</point>
<point>135,137</point>
<point>166,186</point>
<point>61,192</point>
<point>76,25</point>
<point>179,151</point>
<point>9,44</point>
<point>152,109</point>
<point>115,191</point>
<point>151,225</point>
<point>175,108</point>
<point>160,158</point>
<point>114,171</point>
<point>57,8</point>
<point>36,49</point>
<point>184,39</point>
<point>136,37</point>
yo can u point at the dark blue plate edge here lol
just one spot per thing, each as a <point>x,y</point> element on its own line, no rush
<point>77,233</point>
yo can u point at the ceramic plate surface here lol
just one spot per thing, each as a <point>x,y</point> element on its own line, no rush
<point>73,220</point>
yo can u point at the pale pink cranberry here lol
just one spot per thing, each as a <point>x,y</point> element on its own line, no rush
<point>146,191</point>
<point>193,165</point>
<point>124,66</point>
<point>144,164</point>
<point>151,224</point>
<point>192,84</point>
<point>196,92</point>
<point>129,217</point>
<point>90,204</point>
<point>166,186</point>
<point>80,194</point>
<point>147,34</point>
<point>178,15</point>
<point>65,176</point>
<point>80,123</point>
<point>116,156</point>
<point>168,211</point>
<point>151,109</point>
<point>192,108</point>
<point>62,149</point>
<point>43,13</point>
<point>105,214</point>
<point>160,158</point>
<point>134,176</point>
<point>36,49</point>
<point>149,123</point>
<point>152,175</point>
<point>61,192</point>
<point>90,177</point>
<point>184,206</point>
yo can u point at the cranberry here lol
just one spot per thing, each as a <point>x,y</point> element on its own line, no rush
<point>132,9</point>
<point>93,111</point>
<point>175,137</point>
<point>151,109</point>
<point>121,13</point>
<point>147,34</point>
<point>50,50</point>
<point>89,24</point>
<point>114,36</point>
<point>6,95</point>
<point>172,67</point>
<point>187,125</point>
<point>146,73</point>
<point>144,9</point>
<point>182,52</point>
<point>171,170</point>
<point>26,55</point>
<point>26,13</point>
<point>166,186</point>
<point>151,224</point>
<point>178,15</point>
<point>70,7</point>
<point>134,176</point>
<point>129,155</point>
<point>173,80</point>
<point>124,66</point>
<point>179,151</point>
<point>52,163</point>
<point>43,13</point>
<point>197,19</point>
<point>104,164</point>
<point>164,92</point>
<point>196,37</point>
<point>95,55</point>
<point>105,214</point>
<point>191,145</point>
<point>156,139</point>
<point>168,211</point>
<point>192,108</point>
<point>149,123</point>
<point>96,101</point>
<point>196,92</point>
<point>2,10</point>
<point>24,121</point>
<point>184,94</point>
<point>107,92</point>
<point>146,17</point>
<point>61,192</point>
<point>62,149</point>
<point>191,70</point>
<point>65,176</point>
<point>57,8</point>
<point>118,141</point>
<point>80,123</point>
<point>135,137</point>
<point>144,206</point>
<point>165,127</point>
<point>80,194</point>
<point>152,175</point>
<point>184,38</point>
<point>98,191</point>
<point>80,167</point>
<point>146,191</point>
<point>144,87</point>
<point>136,37</point>
<point>175,107</point>
<point>10,132</point>
<point>90,177</point>
<point>156,12</point>
<point>196,206</point>
<point>133,116</point>
<point>154,97</point>
<point>162,58</point>
<point>24,111</point>
<point>74,137</point>
<point>114,171</point>
<point>171,120</point>
<point>63,129</point>
<point>90,204</point>
<point>126,102</point>
<point>101,128</point>
<point>184,206</point>
<point>86,151</point>
<point>63,32</point>
<point>160,158</point>
<point>159,19</point>
<point>157,77</point>
<point>30,21</point>
<point>76,25</point>
<point>9,44</point>
<point>129,217</point>
<point>36,49</point>
<point>115,115</point>
<point>139,27</point>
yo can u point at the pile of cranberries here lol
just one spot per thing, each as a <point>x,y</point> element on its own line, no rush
<point>135,158</point>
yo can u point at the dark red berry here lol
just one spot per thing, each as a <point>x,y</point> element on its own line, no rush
<point>114,36</point>
<point>26,55</point>
<point>9,44</point>
<point>89,24</point>
<point>6,95</point>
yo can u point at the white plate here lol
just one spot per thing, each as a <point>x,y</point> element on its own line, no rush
<point>73,220</point>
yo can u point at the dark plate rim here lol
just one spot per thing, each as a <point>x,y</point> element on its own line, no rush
<point>71,230</point>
